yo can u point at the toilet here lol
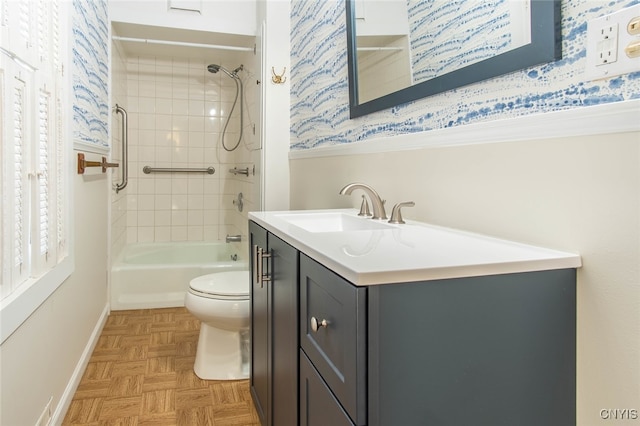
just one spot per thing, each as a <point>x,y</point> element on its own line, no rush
<point>221,302</point>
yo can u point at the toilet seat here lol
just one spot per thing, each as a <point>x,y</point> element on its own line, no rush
<point>231,285</point>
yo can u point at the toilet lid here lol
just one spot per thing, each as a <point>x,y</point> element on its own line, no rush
<point>231,284</point>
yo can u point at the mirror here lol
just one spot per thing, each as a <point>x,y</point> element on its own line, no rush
<point>403,50</point>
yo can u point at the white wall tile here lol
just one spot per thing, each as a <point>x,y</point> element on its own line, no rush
<point>162,218</point>
<point>162,201</point>
<point>146,202</point>
<point>178,218</point>
<point>180,106</point>
<point>146,186</point>
<point>145,234</point>
<point>180,91</point>
<point>179,186</point>
<point>179,123</point>
<point>170,102</point>
<point>163,122</point>
<point>194,217</point>
<point>164,90</point>
<point>195,202</point>
<point>164,106</point>
<point>146,87</point>
<point>195,233</point>
<point>147,105</point>
<point>146,121</point>
<point>178,233</point>
<point>162,234</point>
<point>179,202</point>
<point>146,218</point>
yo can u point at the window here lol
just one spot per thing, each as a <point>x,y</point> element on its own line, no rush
<point>35,184</point>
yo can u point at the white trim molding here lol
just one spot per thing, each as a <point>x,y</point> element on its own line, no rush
<point>617,117</point>
<point>67,396</point>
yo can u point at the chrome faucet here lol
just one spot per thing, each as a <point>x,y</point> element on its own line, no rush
<point>376,202</point>
<point>233,238</point>
<point>396,213</point>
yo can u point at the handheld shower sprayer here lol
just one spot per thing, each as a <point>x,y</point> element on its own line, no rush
<point>214,68</point>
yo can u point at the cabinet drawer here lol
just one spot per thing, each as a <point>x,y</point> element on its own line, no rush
<point>337,348</point>
<point>318,406</point>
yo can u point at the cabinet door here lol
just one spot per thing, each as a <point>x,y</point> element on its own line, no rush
<point>318,406</point>
<point>260,356</point>
<point>283,312</point>
<point>274,329</point>
<point>337,346</point>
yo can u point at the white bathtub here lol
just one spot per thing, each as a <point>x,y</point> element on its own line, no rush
<point>157,275</point>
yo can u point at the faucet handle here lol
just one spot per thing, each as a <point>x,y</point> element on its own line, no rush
<point>364,208</point>
<point>396,215</point>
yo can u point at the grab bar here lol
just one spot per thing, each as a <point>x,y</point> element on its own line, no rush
<point>125,149</point>
<point>147,170</point>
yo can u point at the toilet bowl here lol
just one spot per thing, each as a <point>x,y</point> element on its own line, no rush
<point>221,302</point>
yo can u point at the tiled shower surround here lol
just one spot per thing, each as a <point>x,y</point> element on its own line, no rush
<point>177,111</point>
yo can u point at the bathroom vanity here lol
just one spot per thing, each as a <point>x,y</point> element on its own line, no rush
<point>360,322</point>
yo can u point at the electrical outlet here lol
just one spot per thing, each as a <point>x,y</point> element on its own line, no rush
<point>607,45</point>
<point>612,42</point>
<point>45,417</point>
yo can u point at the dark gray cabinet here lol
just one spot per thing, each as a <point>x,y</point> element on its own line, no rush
<point>274,328</point>
<point>493,350</point>
<point>333,334</point>
<point>498,350</point>
<point>318,405</point>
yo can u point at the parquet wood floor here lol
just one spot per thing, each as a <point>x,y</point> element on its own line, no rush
<point>141,373</point>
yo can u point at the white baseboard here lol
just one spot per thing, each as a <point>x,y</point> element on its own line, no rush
<point>70,390</point>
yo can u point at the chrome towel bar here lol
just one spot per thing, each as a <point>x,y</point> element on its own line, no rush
<point>148,169</point>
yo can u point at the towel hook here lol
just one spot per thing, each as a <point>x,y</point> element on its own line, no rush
<point>278,79</point>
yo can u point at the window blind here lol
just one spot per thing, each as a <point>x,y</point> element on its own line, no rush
<point>35,207</point>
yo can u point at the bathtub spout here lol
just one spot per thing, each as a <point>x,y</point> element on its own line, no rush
<point>233,238</point>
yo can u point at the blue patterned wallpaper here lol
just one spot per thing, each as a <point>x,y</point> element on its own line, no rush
<point>90,73</point>
<point>320,91</point>
<point>483,31</point>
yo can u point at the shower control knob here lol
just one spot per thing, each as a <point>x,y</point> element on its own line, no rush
<point>315,325</point>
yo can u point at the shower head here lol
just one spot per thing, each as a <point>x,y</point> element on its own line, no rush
<point>214,68</point>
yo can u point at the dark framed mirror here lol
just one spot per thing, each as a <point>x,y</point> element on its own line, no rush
<point>442,45</point>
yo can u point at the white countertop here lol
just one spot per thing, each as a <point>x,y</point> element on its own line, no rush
<point>413,251</point>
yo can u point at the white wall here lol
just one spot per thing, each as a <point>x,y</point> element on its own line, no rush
<point>44,355</point>
<point>274,16</point>
<point>579,194</point>
<point>222,16</point>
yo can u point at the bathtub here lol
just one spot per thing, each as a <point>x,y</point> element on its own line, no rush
<point>157,275</point>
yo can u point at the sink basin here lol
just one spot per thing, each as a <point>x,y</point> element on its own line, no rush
<point>333,222</point>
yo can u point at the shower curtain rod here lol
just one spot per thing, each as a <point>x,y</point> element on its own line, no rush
<point>180,43</point>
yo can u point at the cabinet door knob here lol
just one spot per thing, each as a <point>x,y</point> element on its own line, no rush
<point>315,325</point>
